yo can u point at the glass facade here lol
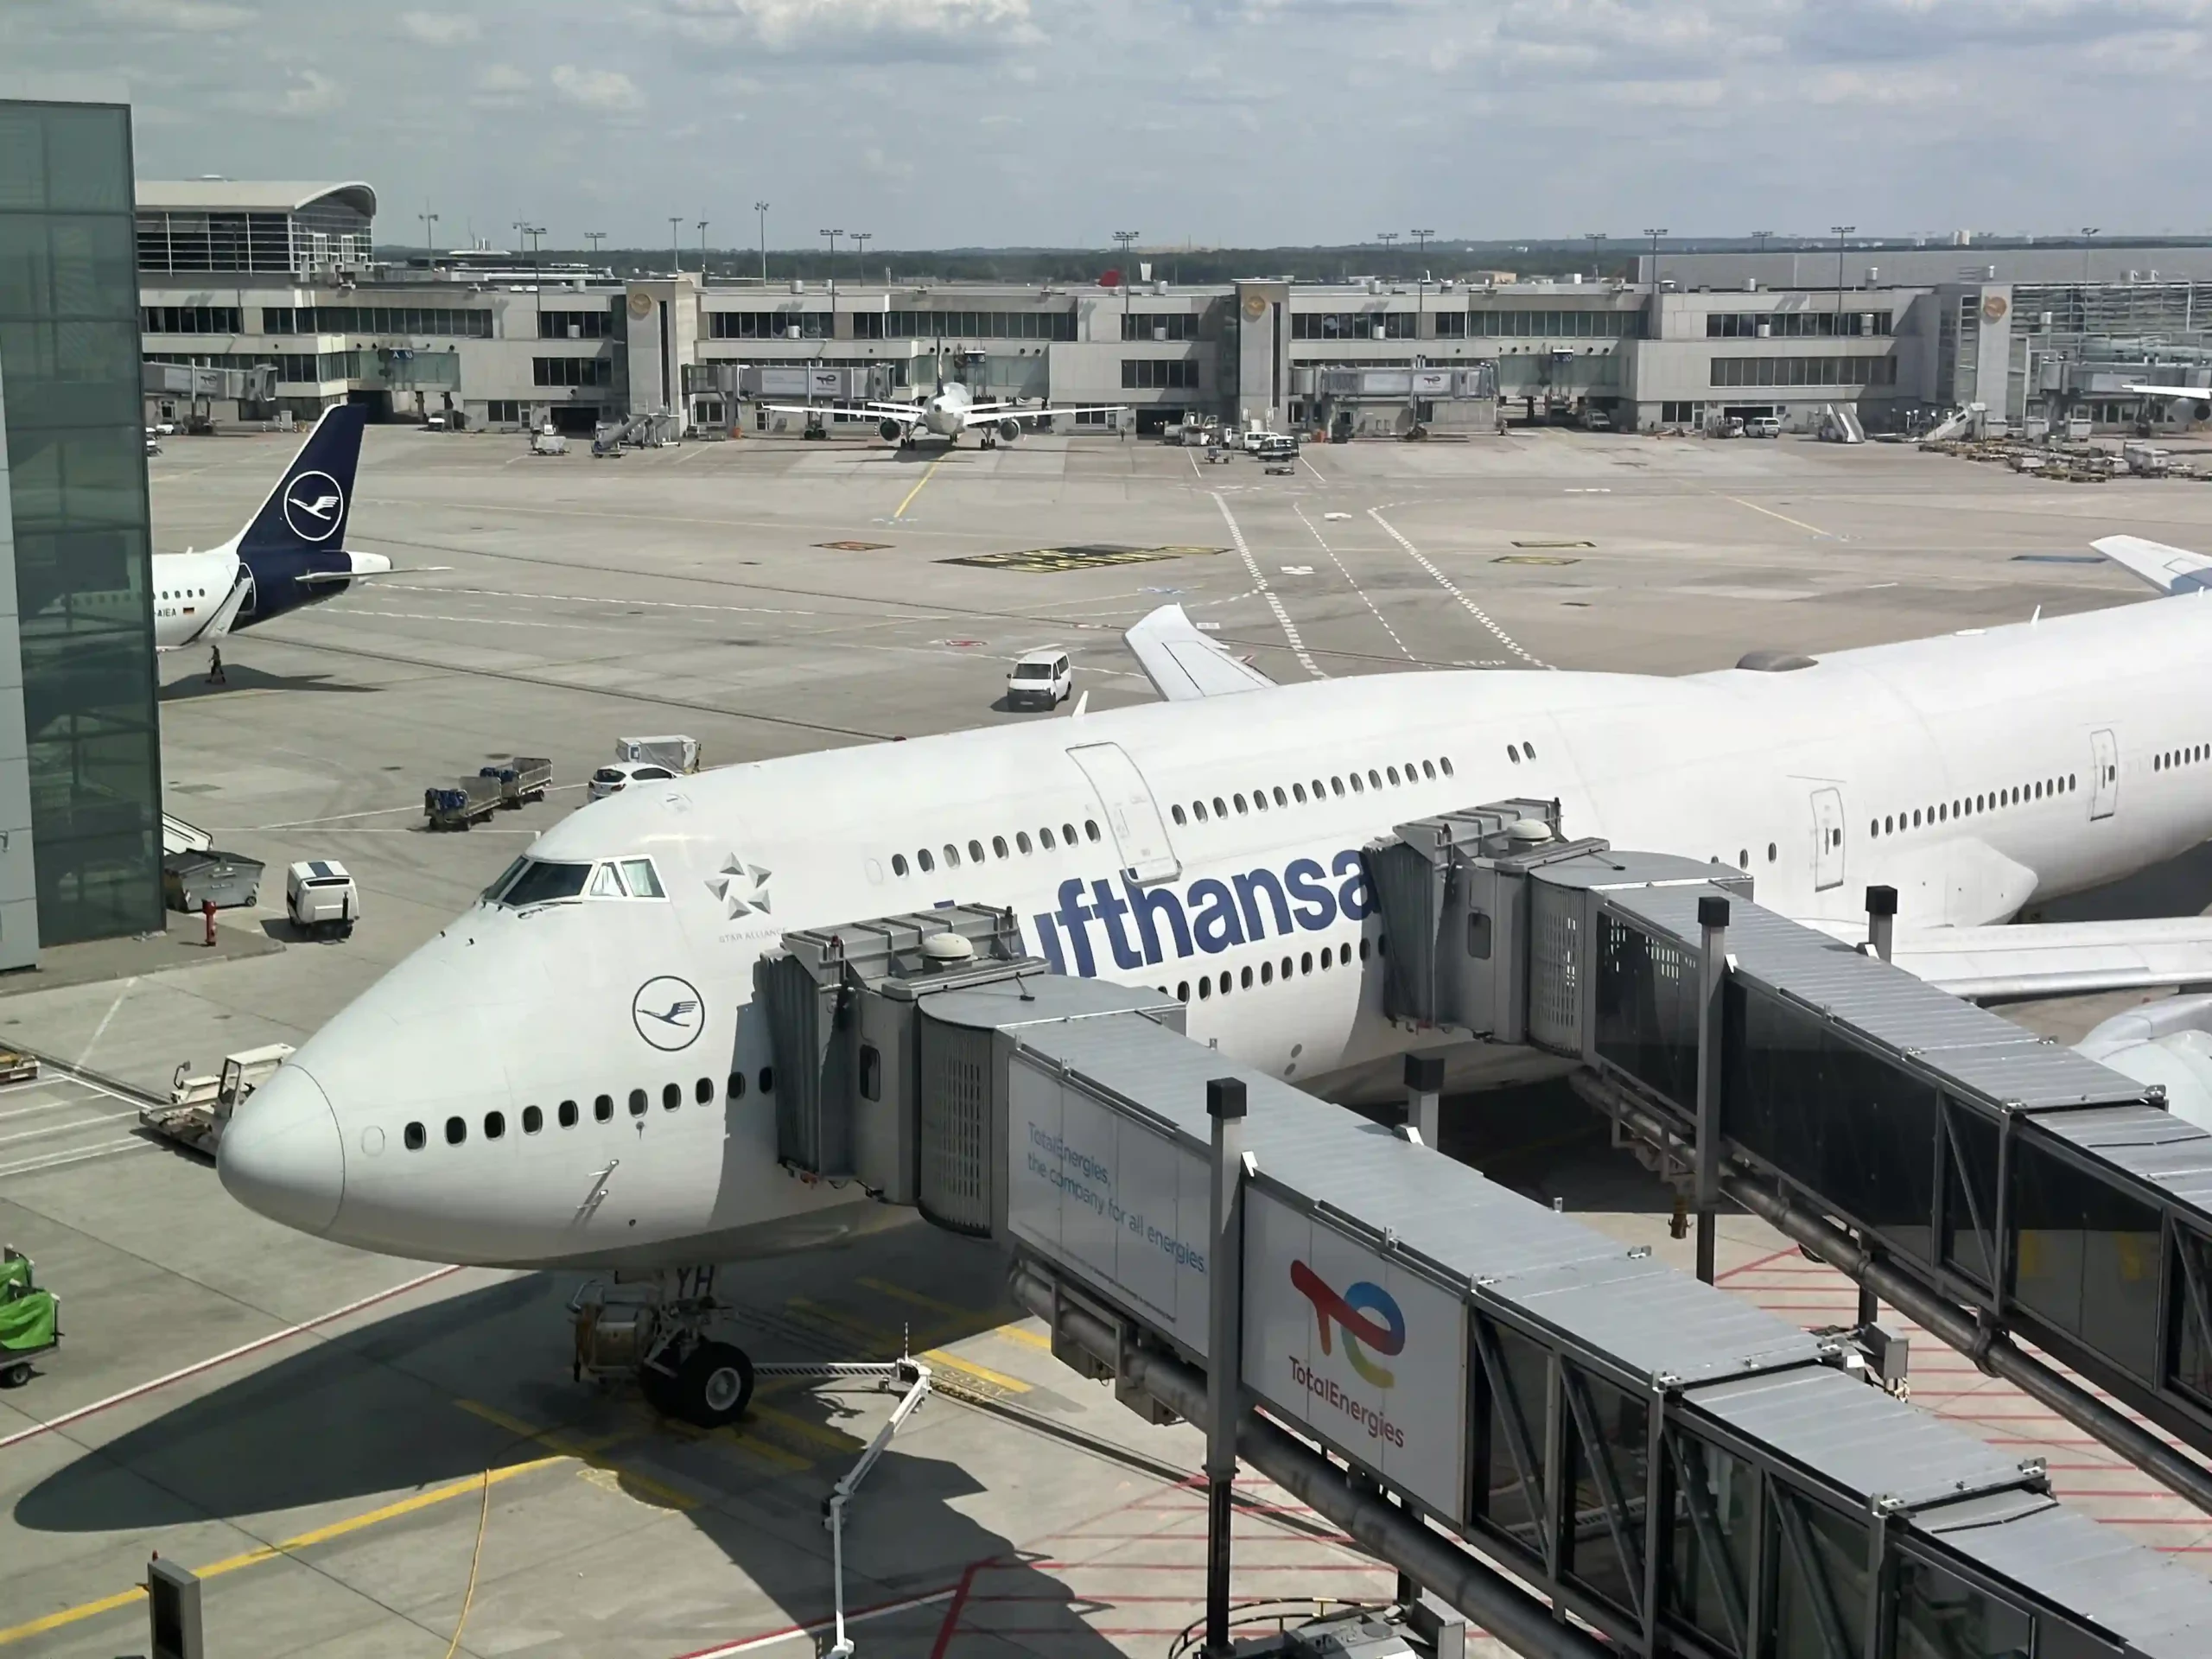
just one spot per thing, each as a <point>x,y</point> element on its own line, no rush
<point>69,387</point>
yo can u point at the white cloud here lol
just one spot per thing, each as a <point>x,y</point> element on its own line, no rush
<point>608,90</point>
<point>439,27</point>
<point>501,86</point>
<point>312,93</point>
<point>178,16</point>
<point>882,28</point>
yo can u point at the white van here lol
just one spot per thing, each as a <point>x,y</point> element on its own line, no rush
<point>1762,426</point>
<point>1040,679</point>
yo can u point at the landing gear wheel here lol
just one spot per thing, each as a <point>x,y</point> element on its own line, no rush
<point>714,1385</point>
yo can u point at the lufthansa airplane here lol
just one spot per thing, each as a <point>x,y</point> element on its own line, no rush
<point>292,552</point>
<point>574,1072</point>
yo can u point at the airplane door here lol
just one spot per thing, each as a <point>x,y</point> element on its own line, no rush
<point>2104,795</point>
<point>1827,838</point>
<point>1132,816</point>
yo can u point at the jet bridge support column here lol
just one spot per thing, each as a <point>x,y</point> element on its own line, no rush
<point>1712,977</point>
<point>1425,1096</point>
<point>1225,1344</point>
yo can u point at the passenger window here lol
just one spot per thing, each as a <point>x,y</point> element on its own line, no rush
<point>952,856</point>
<point>603,1107</point>
<point>1067,834</point>
<point>1206,989</point>
<point>567,1113</point>
<point>495,1125</point>
<point>1769,852</point>
<point>1328,959</point>
<point>1356,784</point>
<point>1260,799</point>
<point>767,1079</point>
<point>1529,749</point>
<point>1022,838</point>
<point>637,1102</point>
<point>1244,979</point>
<point>1299,791</point>
<point>737,1085</point>
<point>1198,809</point>
<point>1045,836</point>
<point>1090,828</point>
<point>1427,769</point>
<point>1183,990</point>
<point>1362,949</point>
<point>871,1072</point>
<point>644,881</point>
<point>998,845</point>
<point>1393,774</point>
<point>974,852</point>
<point>414,1137</point>
<point>1446,763</point>
<point>1513,754</point>
<point>1335,785</point>
<point>1220,807</point>
<point>923,858</point>
<point>672,1096</point>
<point>897,864</point>
<point>1281,800</point>
<point>1177,811</point>
<point>456,1131</point>
<point>1305,961</point>
<point>1224,982</point>
<point>1286,965</point>
<point>1374,778</point>
<point>605,884</point>
<point>532,1120</point>
<point>1239,800</point>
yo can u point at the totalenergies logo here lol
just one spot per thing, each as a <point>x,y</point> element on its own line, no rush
<point>1366,1314</point>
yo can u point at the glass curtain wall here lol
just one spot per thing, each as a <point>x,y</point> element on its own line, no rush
<point>69,375</point>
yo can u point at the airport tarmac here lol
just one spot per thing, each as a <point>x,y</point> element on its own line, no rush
<point>364,1451</point>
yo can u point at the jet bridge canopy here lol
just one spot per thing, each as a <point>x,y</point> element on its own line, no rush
<point>1680,1470</point>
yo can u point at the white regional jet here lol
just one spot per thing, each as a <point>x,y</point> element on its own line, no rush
<point>292,552</point>
<point>573,1071</point>
<point>2199,398</point>
<point>946,413</point>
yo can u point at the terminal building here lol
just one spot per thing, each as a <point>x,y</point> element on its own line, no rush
<point>273,284</point>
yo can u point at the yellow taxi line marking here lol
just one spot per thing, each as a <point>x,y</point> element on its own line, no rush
<point>589,1452</point>
<point>982,1373</point>
<point>1025,1336</point>
<point>821,1433</point>
<point>466,1488</point>
<point>937,1355</point>
<point>920,484</point>
<point>1814,530</point>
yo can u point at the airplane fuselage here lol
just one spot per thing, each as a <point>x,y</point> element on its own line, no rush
<point>1973,773</point>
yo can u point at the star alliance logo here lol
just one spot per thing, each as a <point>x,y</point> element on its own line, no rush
<point>742,887</point>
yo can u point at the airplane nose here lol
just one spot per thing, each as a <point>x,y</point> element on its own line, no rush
<point>282,1154</point>
<point>369,564</point>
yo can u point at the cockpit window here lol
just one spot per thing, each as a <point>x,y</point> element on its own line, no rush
<point>541,883</point>
<point>645,883</point>
<point>491,893</point>
<point>608,884</point>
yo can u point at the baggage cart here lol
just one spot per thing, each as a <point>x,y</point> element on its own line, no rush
<point>526,778</point>
<point>191,881</point>
<point>30,1319</point>
<point>462,803</point>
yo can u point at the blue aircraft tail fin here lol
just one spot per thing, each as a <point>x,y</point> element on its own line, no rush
<point>307,511</point>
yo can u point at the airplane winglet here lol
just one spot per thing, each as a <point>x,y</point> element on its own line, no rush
<point>1183,665</point>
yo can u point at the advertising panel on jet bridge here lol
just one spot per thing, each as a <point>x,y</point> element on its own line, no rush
<point>1364,1351</point>
<point>1120,1199</point>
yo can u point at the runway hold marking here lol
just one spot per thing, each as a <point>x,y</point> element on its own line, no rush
<point>1260,587</point>
<point>1046,561</point>
<point>1447,584</point>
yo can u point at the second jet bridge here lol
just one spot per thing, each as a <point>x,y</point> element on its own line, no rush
<point>1984,1179</point>
<point>1545,1427</point>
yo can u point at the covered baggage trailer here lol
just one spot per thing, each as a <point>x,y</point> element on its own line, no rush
<point>192,880</point>
<point>526,778</point>
<point>464,802</point>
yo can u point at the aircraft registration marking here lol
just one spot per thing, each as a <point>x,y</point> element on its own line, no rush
<point>1046,561</point>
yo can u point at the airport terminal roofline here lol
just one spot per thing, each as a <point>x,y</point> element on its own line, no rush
<point>251,196</point>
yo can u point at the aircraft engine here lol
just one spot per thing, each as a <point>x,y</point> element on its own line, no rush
<point>888,427</point>
<point>1009,430</point>
<point>2201,411</point>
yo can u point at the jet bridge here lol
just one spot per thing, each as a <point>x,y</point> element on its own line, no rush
<point>1582,1451</point>
<point>1982,1179</point>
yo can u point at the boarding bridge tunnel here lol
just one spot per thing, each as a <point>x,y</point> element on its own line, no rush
<point>1582,1451</point>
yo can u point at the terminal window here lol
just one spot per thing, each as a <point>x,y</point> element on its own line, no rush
<point>572,372</point>
<point>575,325</point>
<point>1159,325</point>
<point>504,412</point>
<point>1154,373</point>
<point>1796,325</point>
<point>471,323</point>
<point>769,324</point>
<point>1556,324</point>
<point>188,319</point>
<point>1804,370</point>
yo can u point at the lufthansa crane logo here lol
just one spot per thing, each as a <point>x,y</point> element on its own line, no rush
<point>668,1013</point>
<point>1366,1314</point>
<point>313,505</point>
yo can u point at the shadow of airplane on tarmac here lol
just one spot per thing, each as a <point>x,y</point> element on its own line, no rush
<point>428,1400</point>
<point>241,677</point>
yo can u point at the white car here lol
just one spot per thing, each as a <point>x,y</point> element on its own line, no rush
<point>615,779</point>
<point>1762,426</point>
<point>1040,679</point>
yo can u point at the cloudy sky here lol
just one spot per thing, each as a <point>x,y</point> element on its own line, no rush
<point>938,122</point>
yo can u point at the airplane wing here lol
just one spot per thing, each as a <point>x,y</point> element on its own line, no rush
<point>2202,394</point>
<point>2039,959</point>
<point>992,413</point>
<point>905,414</point>
<point>1183,665</point>
<point>2169,569</point>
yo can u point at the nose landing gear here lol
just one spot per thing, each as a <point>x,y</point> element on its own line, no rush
<point>653,1328</point>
